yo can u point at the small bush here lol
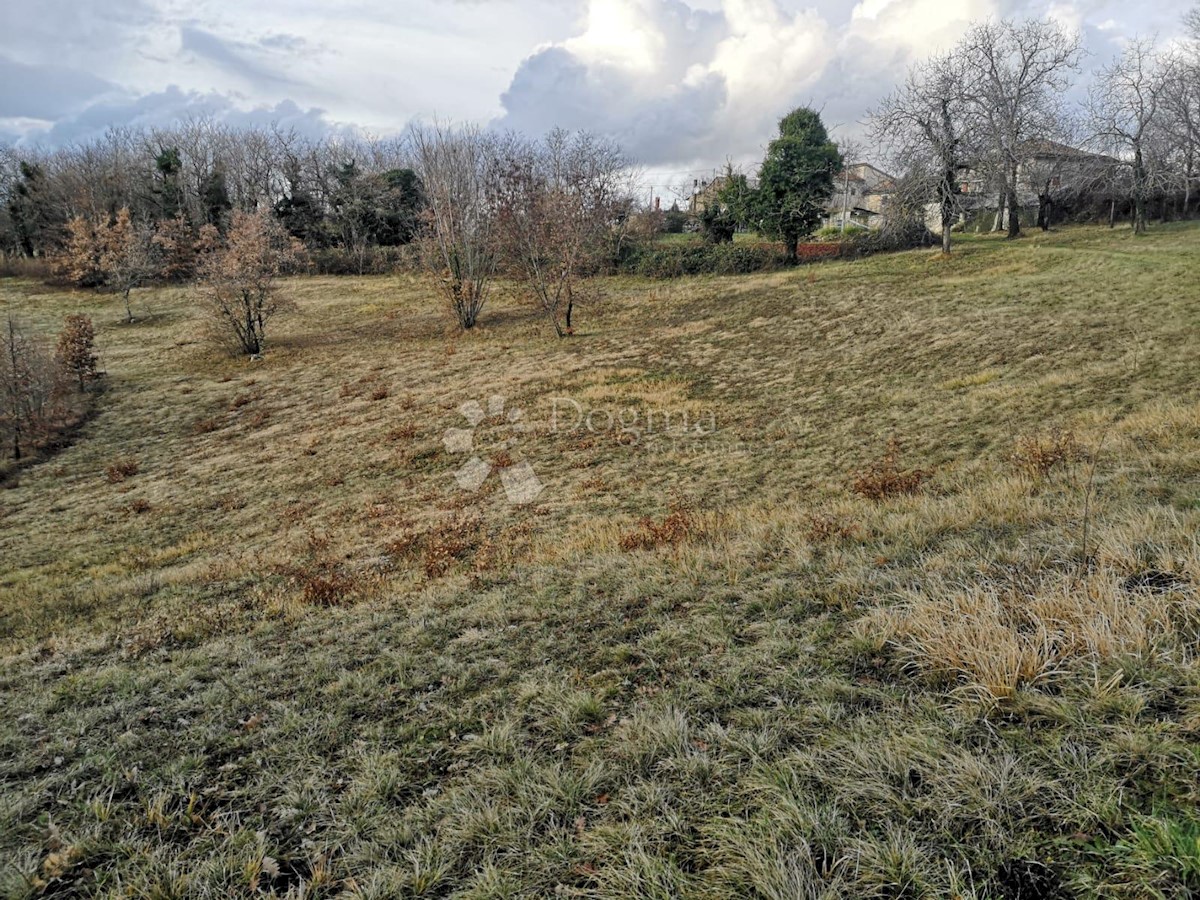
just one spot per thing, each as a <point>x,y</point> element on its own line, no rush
<point>680,524</point>
<point>121,469</point>
<point>884,478</point>
<point>1037,455</point>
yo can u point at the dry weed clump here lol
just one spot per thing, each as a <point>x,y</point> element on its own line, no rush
<point>884,478</point>
<point>992,639</point>
<point>439,547</point>
<point>1039,454</point>
<point>320,578</point>
<point>825,527</point>
<point>207,425</point>
<point>121,469</point>
<point>679,525</point>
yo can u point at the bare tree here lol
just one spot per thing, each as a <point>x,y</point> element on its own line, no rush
<point>1017,76</point>
<point>1180,98</point>
<point>29,389</point>
<point>460,171</point>
<point>558,200</point>
<point>238,280</point>
<point>924,127</point>
<point>1124,105</point>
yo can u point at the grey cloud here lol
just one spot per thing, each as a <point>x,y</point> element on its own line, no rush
<point>172,105</point>
<point>235,57</point>
<point>552,88</point>
<point>45,91</point>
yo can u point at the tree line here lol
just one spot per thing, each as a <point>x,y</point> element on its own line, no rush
<point>992,117</point>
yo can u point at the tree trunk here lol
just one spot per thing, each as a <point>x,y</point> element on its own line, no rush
<point>998,224</point>
<point>1112,212</point>
<point>792,254</point>
<point>1014,210</point>
<point>128,309</point>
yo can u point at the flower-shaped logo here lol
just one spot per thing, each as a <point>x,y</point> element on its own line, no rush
<point>521,484</point>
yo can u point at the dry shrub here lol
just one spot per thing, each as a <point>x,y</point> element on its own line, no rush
<point>679,525</point>
<point>380,393</point>
<point>884,478</point>
<point>319,577</point>
<point>121,469</point>
<point>992,639</point>
<point>439,547</point>
<point>1037,455</point>
<point>450,541</point>
<point>404,432</point>
<point>139,506</point>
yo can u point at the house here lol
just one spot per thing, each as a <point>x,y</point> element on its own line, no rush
<point>860,192</point>
<point>1047,168</point>
<point>705,193</point>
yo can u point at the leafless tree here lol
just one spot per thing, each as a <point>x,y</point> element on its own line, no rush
<point>30,386</point>
<point>1017,74</point>
<point>924,127</point>
<point>558,200</point>
<point>459,169</point>
<point>237,282</point>
<point>1124,106</point>
<point>1180,97</point>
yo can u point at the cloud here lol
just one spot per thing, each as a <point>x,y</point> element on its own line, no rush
<point>172,105</point>
<point>239,58</point>
<point>45,91</point>
<point>679,86</point>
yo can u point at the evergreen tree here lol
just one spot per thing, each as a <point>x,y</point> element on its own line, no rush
<point>796,179</point>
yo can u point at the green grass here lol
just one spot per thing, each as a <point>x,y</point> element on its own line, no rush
<point>290,656</point>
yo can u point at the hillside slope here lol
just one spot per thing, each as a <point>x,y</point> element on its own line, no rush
<point>292,655</point>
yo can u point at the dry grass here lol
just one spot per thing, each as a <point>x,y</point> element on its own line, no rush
<point>291,656</point>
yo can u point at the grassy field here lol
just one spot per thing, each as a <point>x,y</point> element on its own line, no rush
<point>257,640</point>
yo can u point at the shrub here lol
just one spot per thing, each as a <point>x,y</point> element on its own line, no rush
<point>76,349</point>
<point>680,524</point>
<point>121,469</point>
<point>884,478</point>
<point>1037,455</point>
<point>237,281</point>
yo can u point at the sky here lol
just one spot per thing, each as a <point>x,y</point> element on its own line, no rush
<point>684,85</point>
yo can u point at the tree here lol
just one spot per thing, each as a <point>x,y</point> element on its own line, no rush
<point>460,171</point>
<point>29,388</point>
<point>729,208</point>
<point>558,198</point>
<point>1017,75</point>
<point>29,210</point>
<point>79,262</point>
<point>128,257</point>
<point>237,281</point>
<point>76,349</point>
<point>1180,98</point>
<point>796,179</point>
<point>167,189</point>
<point>1123,106</point>
<point>401,200</point>
<point>924,126</point>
